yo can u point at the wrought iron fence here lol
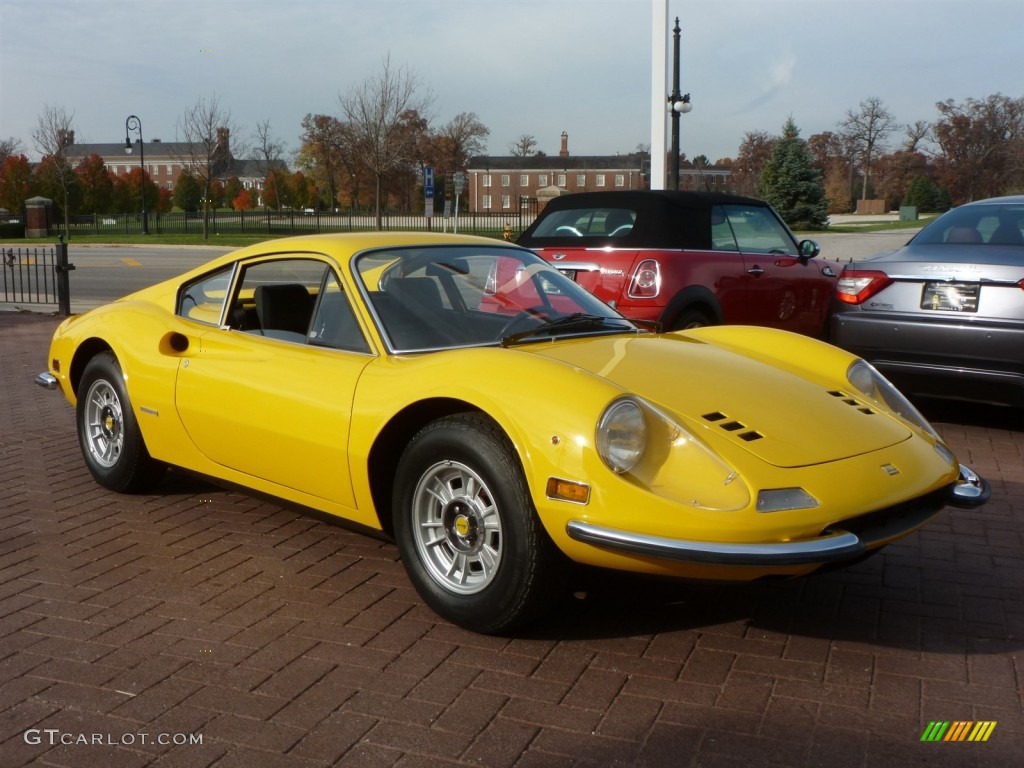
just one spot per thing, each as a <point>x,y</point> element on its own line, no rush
<point>295,222</point>
<point>37,275</point>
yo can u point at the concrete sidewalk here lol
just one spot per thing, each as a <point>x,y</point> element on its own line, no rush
<point>201,627</point>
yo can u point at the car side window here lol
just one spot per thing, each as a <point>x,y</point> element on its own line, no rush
<point>335,324</point>
<point>722,238</point>
<point>757,230</point>
<point>203,299</point>
<point>276,298</point>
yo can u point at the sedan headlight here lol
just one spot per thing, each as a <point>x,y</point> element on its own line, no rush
<point>865,378</point>
<point>622,435</point>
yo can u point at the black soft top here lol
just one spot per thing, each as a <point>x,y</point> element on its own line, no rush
<point>662,219</point>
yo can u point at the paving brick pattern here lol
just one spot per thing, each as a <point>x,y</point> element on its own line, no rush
<point>281,640</point>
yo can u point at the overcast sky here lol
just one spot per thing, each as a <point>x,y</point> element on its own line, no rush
<point>535,67</point>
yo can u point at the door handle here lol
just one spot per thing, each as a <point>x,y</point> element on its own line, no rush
<point>755,270</point>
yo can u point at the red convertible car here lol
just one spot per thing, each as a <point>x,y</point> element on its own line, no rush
<point>687,259</point>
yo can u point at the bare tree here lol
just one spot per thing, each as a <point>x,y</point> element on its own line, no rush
<point>204,130</point>
<point>8,147</point>
<point>52,135</point>
<point>268,152</point>
<point>524,146</point>
<point>376,113</point>
<point>916,134</point>
<point>868,129</point>
<point>461,138</point>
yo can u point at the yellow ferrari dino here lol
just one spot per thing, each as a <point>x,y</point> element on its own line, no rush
<point>495,419</point>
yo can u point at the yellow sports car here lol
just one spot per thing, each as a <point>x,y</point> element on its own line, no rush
<point>470,401</point>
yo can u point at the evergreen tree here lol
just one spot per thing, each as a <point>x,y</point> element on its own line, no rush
<point>791,183</point>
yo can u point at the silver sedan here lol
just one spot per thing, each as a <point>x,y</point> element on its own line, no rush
<point>944,315</point>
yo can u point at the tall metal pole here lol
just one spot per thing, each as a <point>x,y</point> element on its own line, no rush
<point>675,98</point>
<point>137,126</point>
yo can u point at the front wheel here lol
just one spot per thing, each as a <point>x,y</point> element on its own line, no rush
<point>108,433</point>
<point>689,319</point>
<point>466,527</point>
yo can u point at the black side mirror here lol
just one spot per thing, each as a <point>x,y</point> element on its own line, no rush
<point>808,250</point>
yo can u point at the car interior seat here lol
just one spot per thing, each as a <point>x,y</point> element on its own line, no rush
<point>286,308</point>
<point>1007,233</point>
<point>963,235</point>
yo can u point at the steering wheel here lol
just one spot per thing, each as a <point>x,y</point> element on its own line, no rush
<point>565,228</point>
<point>534,313</point>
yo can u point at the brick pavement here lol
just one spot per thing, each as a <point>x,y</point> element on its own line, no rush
<point>281,640</point>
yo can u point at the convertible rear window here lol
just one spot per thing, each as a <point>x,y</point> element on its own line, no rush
<point>587,223</point>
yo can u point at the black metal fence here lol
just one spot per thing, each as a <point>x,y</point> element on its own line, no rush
<point>37,275</point>
<point>506,223</point>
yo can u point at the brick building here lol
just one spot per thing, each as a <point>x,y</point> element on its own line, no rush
<point>165,161</point>
<point>496,183</point>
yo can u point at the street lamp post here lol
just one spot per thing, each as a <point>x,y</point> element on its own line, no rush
<point>678,104</point>
<point>137,126</point>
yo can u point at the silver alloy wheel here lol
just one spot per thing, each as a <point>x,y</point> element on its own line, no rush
<point>456,527</point>
<point>104,423</point>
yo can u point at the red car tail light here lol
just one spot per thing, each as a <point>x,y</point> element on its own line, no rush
<point>646,282</point>
<point>856,286</point>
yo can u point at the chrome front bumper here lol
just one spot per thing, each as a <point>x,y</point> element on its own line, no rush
<point>47,381</point>
<point>835,546</point>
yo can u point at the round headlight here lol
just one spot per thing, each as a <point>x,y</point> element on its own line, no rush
<point>621,435</point>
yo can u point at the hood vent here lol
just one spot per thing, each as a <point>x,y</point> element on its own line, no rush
<point>853,402</point>
<point>729,425</point>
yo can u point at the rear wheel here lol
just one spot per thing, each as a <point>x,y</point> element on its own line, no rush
<point>108,433</point>
<point>466,527</point>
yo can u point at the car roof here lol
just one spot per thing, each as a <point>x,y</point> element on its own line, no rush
<point>663,218</point>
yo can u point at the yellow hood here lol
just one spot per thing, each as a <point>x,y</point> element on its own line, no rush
<point>780,416</point>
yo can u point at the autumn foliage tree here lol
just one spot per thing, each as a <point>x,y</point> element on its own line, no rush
<point>981,146</point>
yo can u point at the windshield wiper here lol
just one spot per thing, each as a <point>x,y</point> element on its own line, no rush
<point>577,321</point>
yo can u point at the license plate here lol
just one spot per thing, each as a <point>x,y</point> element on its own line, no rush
<point>950,297</point>
<point>570,273</point>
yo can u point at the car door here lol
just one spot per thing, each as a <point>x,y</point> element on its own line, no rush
<point>272,401</point>
<point>783,290</point>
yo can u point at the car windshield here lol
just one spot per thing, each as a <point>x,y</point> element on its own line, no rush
<point>978,225</point>
<point>442,297</point>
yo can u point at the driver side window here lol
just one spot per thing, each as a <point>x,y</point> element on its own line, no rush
<point>758,231</point>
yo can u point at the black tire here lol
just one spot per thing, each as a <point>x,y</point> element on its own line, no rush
<point>689,319</point>
<point>108,433</point>
<point>467,529</point>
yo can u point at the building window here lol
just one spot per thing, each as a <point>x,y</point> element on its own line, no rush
<point>599,180</point>
<point>487,202</point>
<point>170,185</point>
<point>505,180</point>
<point>561,179</point>
<point>524,180</point>
<point>581,180</point>
<point>542,180</point>
<point>506,202</point>
<point>620,179</point>
<point>487,180</point>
